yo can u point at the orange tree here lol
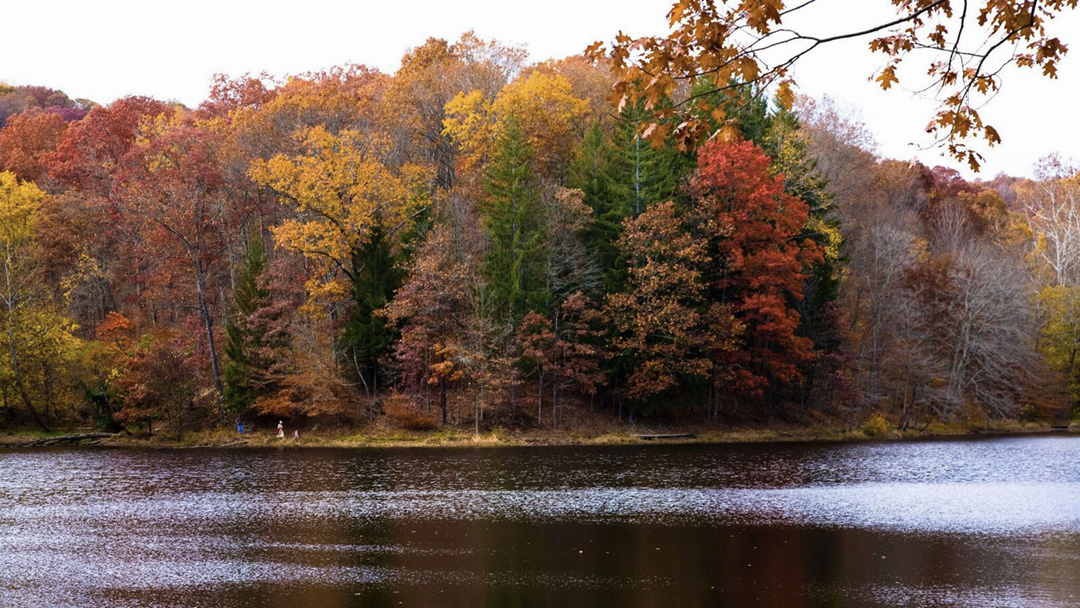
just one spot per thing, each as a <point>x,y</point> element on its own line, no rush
<point>755,239</point>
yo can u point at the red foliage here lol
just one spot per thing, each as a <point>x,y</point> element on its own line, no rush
<point>92,147</point>
<point>228,95</point>
<point>756,243</point>
<point>25,141</point>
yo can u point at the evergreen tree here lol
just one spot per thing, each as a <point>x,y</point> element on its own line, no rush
<point>597,172</point>
<point>243,336</point>
<point>366,334</point>
<point>622,175</point>
<point>513,218</point>
<point>651,175</point>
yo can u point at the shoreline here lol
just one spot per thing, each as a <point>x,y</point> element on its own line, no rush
<point>456,438</point>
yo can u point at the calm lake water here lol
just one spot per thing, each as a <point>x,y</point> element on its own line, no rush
<point>989,522</point>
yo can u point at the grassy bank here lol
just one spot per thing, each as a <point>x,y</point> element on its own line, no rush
<point>376,435</point>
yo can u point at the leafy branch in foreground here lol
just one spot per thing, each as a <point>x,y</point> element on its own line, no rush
<point>728,45</point>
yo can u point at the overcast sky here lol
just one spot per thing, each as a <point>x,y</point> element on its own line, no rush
<point>111,48</point>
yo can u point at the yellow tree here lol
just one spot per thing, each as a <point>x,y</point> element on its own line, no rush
<point>351,210</point>
<point>340,99</point>
<point>543,104</point>
<point>36,334</point>
<point>588,81</point>
<point>430,76</point>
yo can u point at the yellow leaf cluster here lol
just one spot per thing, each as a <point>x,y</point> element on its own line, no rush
<point>342,191</point>
<point>543,104</point>
<point>19,204</point>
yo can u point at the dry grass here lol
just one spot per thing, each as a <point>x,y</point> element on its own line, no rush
<point>577,426</point>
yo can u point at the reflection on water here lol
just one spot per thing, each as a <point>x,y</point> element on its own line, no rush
<point>943,523</point>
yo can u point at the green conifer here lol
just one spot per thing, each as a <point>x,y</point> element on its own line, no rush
<point>242,335</point>
<point>513,218</point>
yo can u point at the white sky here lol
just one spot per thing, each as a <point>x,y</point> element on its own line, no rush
<point>111,48</point>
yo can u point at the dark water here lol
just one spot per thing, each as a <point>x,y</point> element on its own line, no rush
<point>993,522</point>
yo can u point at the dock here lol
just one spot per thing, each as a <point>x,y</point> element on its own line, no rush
<point>668,436</point>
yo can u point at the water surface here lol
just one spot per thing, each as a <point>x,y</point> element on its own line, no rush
<point>989,522</point>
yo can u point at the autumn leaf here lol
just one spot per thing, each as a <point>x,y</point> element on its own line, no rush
<point>887,77</point>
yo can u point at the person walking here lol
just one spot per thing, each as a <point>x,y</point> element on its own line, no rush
<point>239,425</point>
<point>280,430</point>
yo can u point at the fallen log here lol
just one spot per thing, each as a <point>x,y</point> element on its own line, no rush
<point>668,436</point>
<point>216,445</point>
<point>67,438</point>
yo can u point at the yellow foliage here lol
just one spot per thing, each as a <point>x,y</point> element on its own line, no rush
<point>1061,330</point>
<point>19,204</point>
<point>342,192</point>
<point>34,330</point>
<point>544,105</point>
<point>338,99</point>
<point>877,426</point>
<point>469,123</point>
<point>833,238</point>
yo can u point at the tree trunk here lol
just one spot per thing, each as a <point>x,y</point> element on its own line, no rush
<point>442,398</point>
<point>554,400</point>
<point>539,396</point>
<point>15,368</point>
<point>208,323</point>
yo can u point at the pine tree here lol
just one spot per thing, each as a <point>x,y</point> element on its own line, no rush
<point>243,336</point>
<point>651,175</point>
<point>597,172</point>
<point>367,334</point>
<point>622,175</point>
<point>513,218</point>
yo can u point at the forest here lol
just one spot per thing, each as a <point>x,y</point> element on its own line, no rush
<point>480,242</point>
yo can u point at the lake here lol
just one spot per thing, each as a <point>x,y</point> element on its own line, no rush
<point>970,522</point>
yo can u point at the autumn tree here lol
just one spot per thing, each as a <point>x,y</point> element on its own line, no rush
<point>666,326</point>
<point>174,195</point>
<point>440,307</point>
<point>230,95</point>
<point>91,149</point>
<point>1052,205</point>
<point>756,240</point>
<point>565,352</point>
<point>430,76</point>
<point>347,98</point>
<point>789,147</point>
<point>19,99</point>
<point>157,385</point>
<point>92,246</point>
<point>35,334</point>
<point>26,140</point>
<point>551,119</point>
<point>352,211</point>
<point>588,81</point>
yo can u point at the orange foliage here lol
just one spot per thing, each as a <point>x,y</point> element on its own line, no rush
<point>26,139</point>
<point>760,254</point>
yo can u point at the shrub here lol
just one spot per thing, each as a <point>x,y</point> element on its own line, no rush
<point>404,414</point>
<point>877,426</point>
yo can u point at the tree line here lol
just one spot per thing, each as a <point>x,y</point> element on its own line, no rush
<point>478,241</point>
